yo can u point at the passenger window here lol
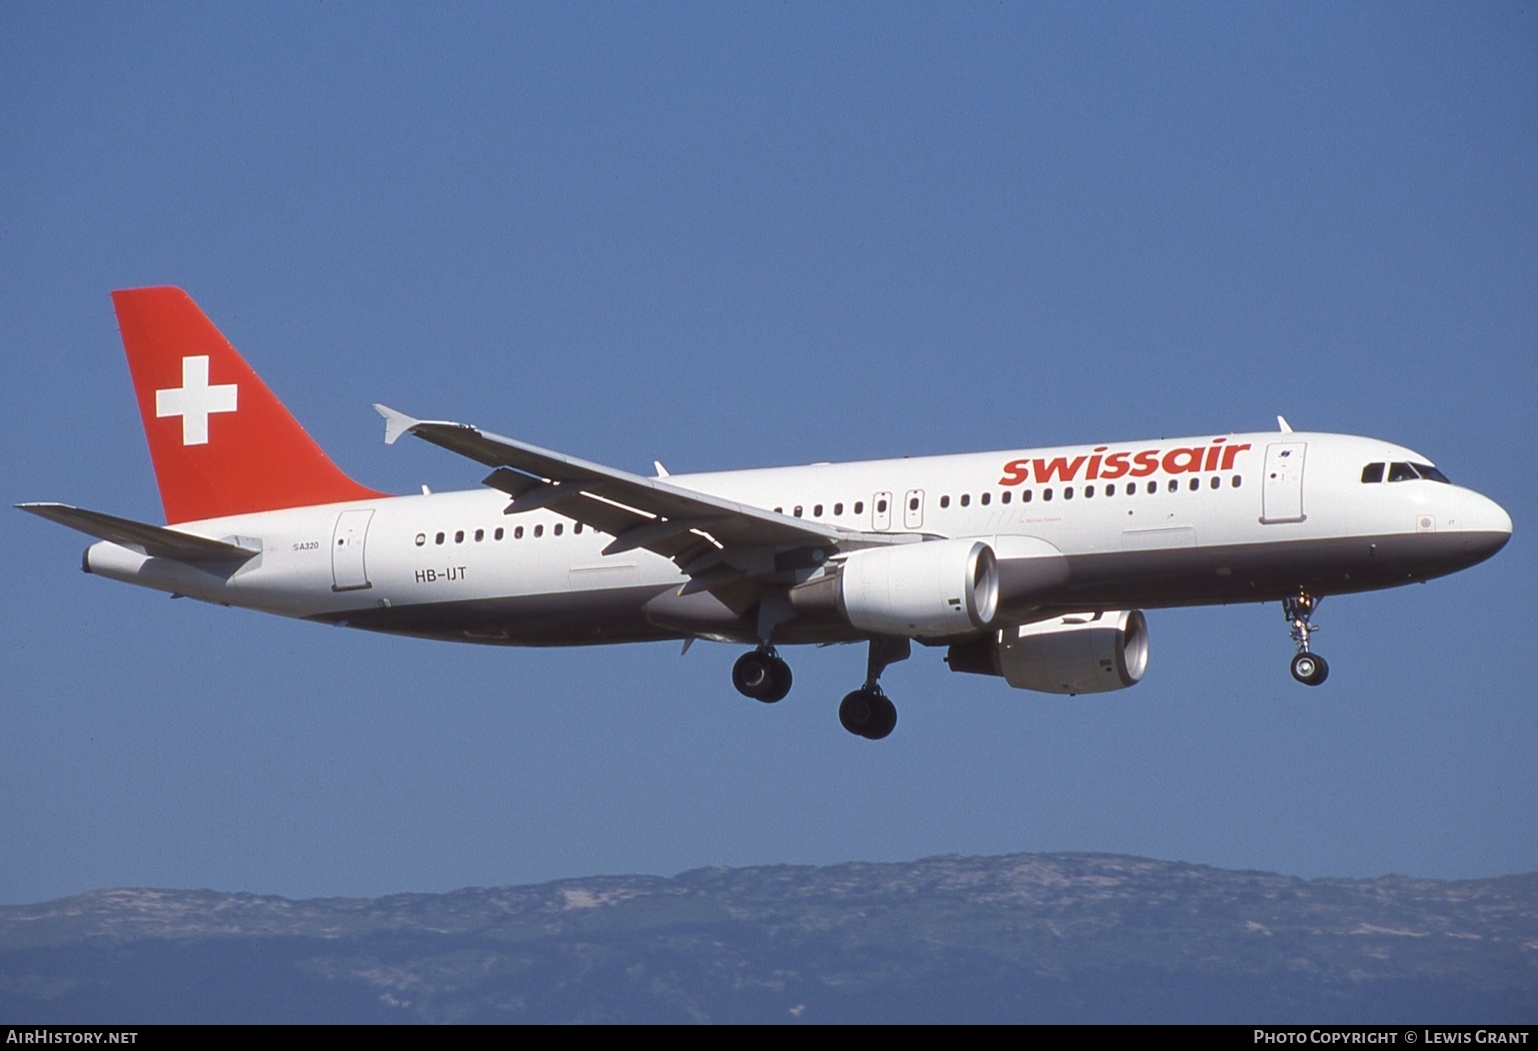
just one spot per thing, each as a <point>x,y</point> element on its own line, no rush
<point>421,539</point>
<point>480,534</point>
<point>539,531</point>
<point>1373,472</point>
<point>817,511</point>
<point>797,511</point>
<point>1089,491</point>
<point>1235,480</point>
<point>1174,485</point>
<point>459,536</point>
<point>1068,492</point>
<point>1196,483</point>
<point>945,501</point>
<point>1004,499</point>
<point>1216,481</point>
<point>966,499</point>
<point>498,534</point>
<point>558,527</point>
<point>1153,487</point>
<point>577,528</point>
<point>859,507</point>
<point>1131,488</point>
<point>986,498</point>
<point>518,533</point>
<point>438,539</point>
<point>838,509</point>
<point>1046,494</point>
<point>1025,497</point>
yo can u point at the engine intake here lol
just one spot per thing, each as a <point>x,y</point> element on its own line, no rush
<point>934,588</point>
<point>1077,653</point>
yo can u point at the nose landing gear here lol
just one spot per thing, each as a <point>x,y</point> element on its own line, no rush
<point>1307,667</point>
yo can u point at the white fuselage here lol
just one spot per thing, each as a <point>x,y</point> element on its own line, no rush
<point>1230,518</point>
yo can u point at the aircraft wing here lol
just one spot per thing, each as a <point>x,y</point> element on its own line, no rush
<point>691,527</point>
<point>153,540</point>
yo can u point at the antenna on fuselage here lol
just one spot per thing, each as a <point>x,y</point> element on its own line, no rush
<point>1282,425</point>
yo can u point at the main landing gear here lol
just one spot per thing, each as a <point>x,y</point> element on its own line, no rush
<point>762,675</point>
<point>1308,668</point>
<point>867,712</point>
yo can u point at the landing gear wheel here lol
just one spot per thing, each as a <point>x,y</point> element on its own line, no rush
<point>752,674</point>
<point>868,713</point>
<point>1310,669</point>
<point>761,676</point>
<point>779,681</point>
<point>1307,667</point>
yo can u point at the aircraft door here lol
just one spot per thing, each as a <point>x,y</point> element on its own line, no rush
<point>881,512</point>
<point>1282,492</point>
<point>913,509</point>
<point>348,572</point>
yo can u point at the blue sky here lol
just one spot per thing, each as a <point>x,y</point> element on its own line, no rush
<point>741,235</point>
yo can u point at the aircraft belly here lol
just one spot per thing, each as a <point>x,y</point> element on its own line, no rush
<point>1261,572</point>
<point>555,619</point>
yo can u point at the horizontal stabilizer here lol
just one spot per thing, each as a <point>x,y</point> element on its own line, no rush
<point>153,540</point>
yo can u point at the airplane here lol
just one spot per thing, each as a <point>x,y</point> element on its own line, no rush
<point>1032,565</point>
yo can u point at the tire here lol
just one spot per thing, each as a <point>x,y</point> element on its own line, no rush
<point>753,675</point>
<point>1310,669</point>
<point>855,711</point>
<point>779,681</point>
<point>868,714</point>
<point>883,718</point>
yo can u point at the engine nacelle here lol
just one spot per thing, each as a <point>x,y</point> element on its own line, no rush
<point>930,589</point>
<point>1078,653</point>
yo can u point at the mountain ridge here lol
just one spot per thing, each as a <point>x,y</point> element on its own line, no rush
<point>1020,937</point>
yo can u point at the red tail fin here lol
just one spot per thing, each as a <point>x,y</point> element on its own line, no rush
<point>222,443</point>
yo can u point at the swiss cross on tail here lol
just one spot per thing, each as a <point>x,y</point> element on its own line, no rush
<point>195,400</point>
<point>237,449</point>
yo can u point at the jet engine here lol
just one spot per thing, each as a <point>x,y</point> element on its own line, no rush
<point>1077,653</point>
<point>933,588</point>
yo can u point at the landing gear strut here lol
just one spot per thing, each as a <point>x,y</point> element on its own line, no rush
<point>868,712</point>
<point>1308,668</point>
<point>762,675</point>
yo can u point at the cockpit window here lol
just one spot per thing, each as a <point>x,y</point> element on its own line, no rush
<point>1403,472</point>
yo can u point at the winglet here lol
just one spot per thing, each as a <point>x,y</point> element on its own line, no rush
<point>396,423</point>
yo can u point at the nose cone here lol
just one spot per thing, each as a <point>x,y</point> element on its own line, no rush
<point>1484,526</point>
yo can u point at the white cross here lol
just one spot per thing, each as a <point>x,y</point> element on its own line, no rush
<point>195,400</point>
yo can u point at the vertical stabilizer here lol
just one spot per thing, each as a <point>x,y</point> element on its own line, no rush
<point>221,442</point>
